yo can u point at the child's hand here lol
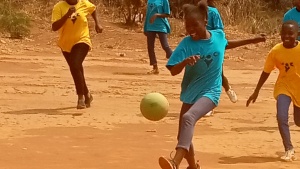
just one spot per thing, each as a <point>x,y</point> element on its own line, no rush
<point>261,38</point>
<point>192,60</point>
<point>252,98</point>
<point>71,10</point>
<point>152,19</point>
<point>98,28</point>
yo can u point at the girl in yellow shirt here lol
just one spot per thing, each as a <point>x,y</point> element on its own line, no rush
<point>69,18</point>
<point>285,57</point>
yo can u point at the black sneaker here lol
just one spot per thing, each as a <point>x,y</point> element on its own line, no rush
<point>81,104</point>
<point>88,100</point>
<point>198,167</point>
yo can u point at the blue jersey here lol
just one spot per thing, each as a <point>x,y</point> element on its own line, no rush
<point>204,79</point>
<point>214,19</point>
<point>160,24</point>
<point>294,15</point>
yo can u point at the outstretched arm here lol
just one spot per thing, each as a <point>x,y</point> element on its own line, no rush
<point>263,77</point>
<point>237,43</point>
<point>162,15</point>
<point>95,17</point>
<point>98,26</point>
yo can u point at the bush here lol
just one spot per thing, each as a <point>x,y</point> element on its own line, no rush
<point>254,16</point>
<point>129,10</point>
<point>12,21</point>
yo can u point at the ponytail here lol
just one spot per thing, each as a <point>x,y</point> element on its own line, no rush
<point>199,11</point>
<point>203,7</point>
<point>187,9</point>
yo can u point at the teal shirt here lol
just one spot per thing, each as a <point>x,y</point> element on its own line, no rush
<point>204,79</point>
<point>160,24</point>
<point>214,19</point>
<point>292,14</point>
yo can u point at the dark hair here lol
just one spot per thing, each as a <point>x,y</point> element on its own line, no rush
<point>199,11</point>
<point>211,3</point>
<point>291,22</point>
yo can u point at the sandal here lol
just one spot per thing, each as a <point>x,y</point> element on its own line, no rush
<point>198,166</point>
<point>154,71</point>
<point>81,104</point>
<point>88,100</point>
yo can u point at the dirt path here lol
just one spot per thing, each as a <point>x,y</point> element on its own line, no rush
<point>40,127</point>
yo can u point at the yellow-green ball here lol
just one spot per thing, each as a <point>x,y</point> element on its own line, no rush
<point>154,106</point>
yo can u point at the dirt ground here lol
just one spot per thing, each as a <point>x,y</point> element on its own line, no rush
<point>41,128</point>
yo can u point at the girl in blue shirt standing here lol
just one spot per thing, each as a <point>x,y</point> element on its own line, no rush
<point>215,22</point>
<point>293,14</point>
<point>156,23</point>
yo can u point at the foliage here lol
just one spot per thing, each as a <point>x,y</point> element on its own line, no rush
<point>13,21</point>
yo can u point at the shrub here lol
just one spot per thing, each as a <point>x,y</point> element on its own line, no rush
<point>129,10</point>
<point>12,21</point>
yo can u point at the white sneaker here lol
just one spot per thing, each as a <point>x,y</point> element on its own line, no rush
<point>232,95</point>
<point>289,155</point>
<point>210,113</point>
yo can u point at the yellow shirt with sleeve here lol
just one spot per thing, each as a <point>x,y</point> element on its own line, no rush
<point>76,31</point>
<point>287,61</point>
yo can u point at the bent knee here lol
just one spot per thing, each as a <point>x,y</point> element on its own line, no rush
<point>188,119</point>
<point>297,122</point>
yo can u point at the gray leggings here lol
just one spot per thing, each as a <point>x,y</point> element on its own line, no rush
<point>189,115</point>
<point>163,38</point>
<point>283,104</point>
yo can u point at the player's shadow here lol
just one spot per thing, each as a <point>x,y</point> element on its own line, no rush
<point>57,111</point>
<point>266,129</point>
<point>261,128</point>
<point>173,115</point>
<point>176,115</point>
<point>247,159</point>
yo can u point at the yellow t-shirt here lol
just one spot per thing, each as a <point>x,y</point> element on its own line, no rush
<point>76,31</point>
<point>288,63</point>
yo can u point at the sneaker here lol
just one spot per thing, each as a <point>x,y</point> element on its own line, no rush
<point>165,163</point>
<point>88,100</point>
<point>210,113</point>
<point>289,155</point>
<point>81,104</point>
<point>232,95</point>
<point>153,71</point>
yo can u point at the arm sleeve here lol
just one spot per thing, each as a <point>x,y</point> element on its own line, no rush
<point>270,63</point>
<point>166,7</point>
<point>90,6</point>
<point>56,14</point>
<point>217,21</point>
<point>179,54</point>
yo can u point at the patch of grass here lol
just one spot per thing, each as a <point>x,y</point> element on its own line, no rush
<point>177,27</point>
<point>13,21</point>
<point>254,16</point>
